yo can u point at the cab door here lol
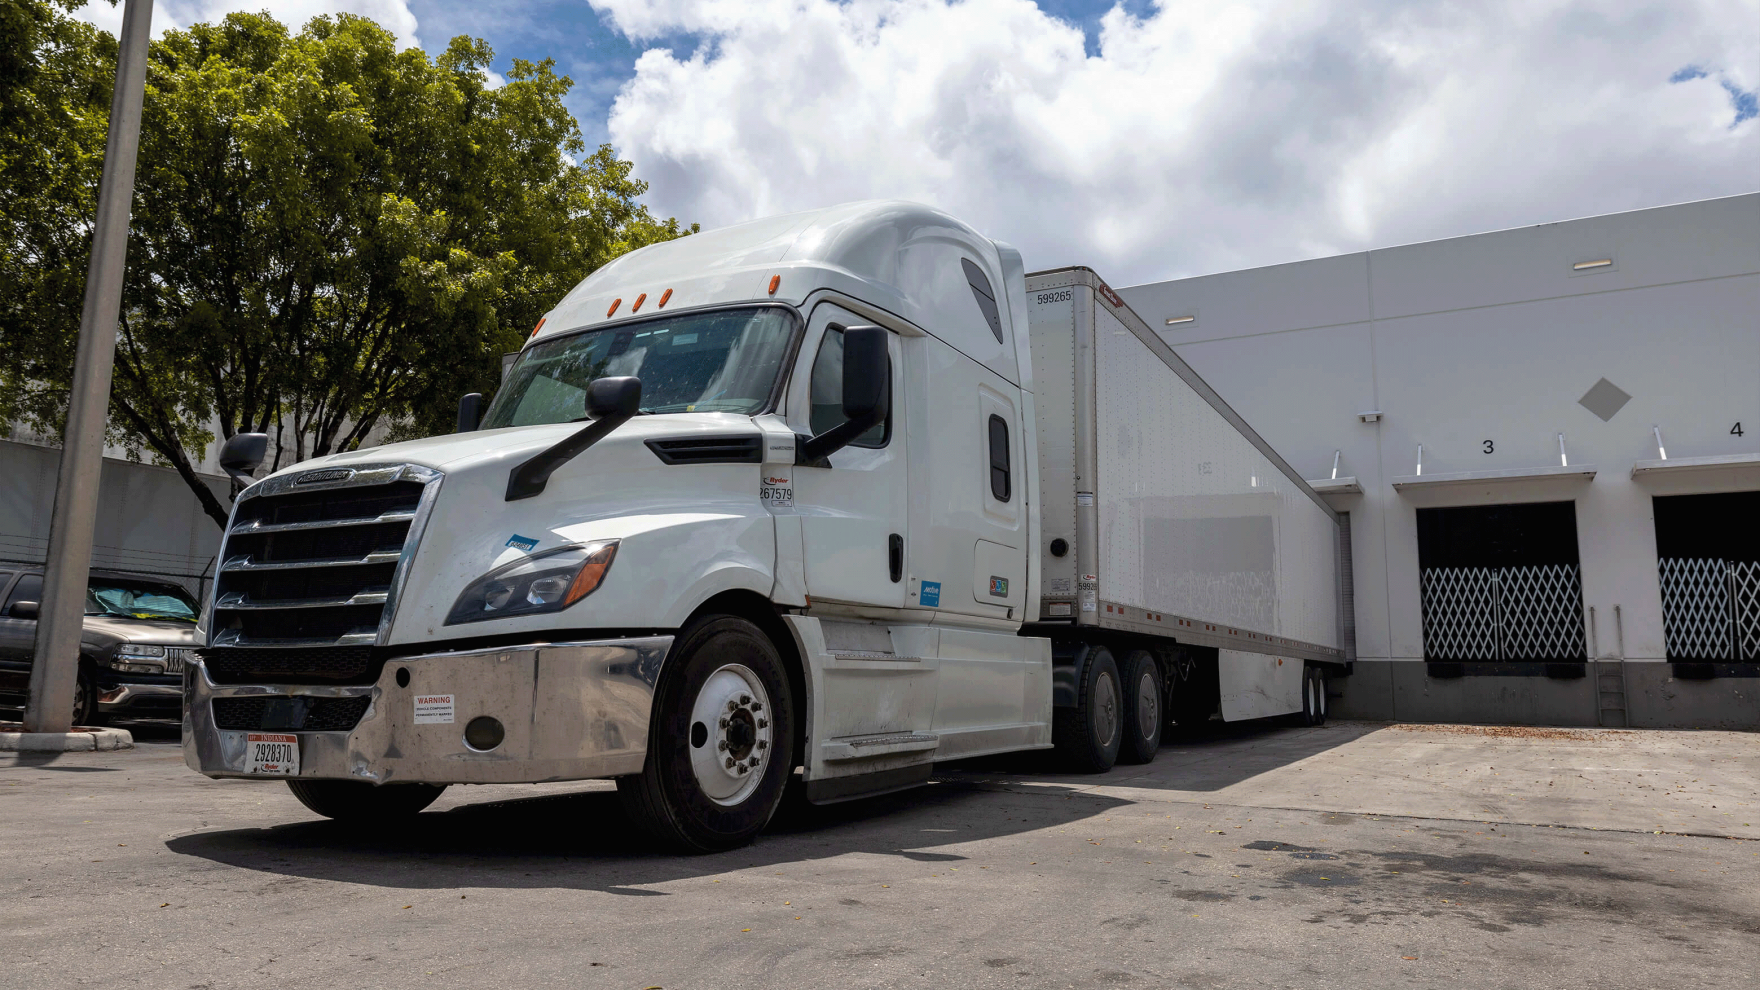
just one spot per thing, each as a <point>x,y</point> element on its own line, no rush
<point>853,512</point>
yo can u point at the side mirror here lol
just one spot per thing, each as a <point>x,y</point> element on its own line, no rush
<point>614,397</point>
<point>611,402</point>
<point>243,454</point>
<point>470,412</point>
<point>867,391</point>
<point>24,610</point>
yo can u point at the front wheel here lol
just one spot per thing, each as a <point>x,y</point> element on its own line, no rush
<point>721,747</point>
<point>359,801</point>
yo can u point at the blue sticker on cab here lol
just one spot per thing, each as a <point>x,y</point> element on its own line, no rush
<point>931,594</point>
<point>519,542</point>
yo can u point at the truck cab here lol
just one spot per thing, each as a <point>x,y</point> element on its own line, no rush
<point>751,503</point>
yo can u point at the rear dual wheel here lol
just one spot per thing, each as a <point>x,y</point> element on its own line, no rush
<point>1143,709</point>
<point>721,746</point>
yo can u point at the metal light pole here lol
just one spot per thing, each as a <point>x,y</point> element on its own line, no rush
<point>55,672</point>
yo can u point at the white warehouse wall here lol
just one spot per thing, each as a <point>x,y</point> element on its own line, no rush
<point>1496,337</point>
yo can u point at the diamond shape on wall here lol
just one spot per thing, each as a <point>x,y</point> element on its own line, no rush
<point>1604,399</point>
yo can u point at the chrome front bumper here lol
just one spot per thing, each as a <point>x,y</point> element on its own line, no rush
<point>572,711</point>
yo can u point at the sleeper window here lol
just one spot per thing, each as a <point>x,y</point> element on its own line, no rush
<point>1000,481</point>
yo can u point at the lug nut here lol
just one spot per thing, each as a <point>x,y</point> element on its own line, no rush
<point>763,744</point>
<point>725,723</point>
<point>745,699</point>
<point>742,768</point>
<point>730,763</point>
<point>732,706</point>
<point>754,760</point>
<point>722,745</point>
<point>763,723</point>
<point>757,706</point>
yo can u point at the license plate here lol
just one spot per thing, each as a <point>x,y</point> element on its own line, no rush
<point>272,754</point>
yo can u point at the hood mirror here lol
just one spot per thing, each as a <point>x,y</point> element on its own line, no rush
<point>242,454</point>
<point>611,402</point>
<point>470,412</point>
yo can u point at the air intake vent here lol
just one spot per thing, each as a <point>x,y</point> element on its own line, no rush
<point>710,450</point>
<point>314,562</point>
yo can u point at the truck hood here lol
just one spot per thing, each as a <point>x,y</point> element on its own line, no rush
<point>484,449</point>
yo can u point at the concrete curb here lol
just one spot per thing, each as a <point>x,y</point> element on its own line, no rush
<point>81,740</point>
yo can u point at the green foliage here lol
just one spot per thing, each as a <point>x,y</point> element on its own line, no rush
<point>329,235</point>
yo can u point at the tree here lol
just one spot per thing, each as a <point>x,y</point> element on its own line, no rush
<point>331,235</point>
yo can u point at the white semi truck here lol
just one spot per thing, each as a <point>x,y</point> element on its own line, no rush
<point>830,496</point>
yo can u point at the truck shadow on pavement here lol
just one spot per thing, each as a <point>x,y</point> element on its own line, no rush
<point>1207,757</point>
<point>583,841</point>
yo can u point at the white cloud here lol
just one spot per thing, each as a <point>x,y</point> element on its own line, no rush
<point>394,15</point>
<point>1203,136</point>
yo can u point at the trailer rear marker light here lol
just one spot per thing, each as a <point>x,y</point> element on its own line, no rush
<point>1175,320</point>
<point>614,304</point>
<point>1585,265</point>
<point>775,282</point>
<point>638,303</point>
<point>663,297</point>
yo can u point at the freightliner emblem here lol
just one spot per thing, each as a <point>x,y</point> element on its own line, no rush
<point>332,474</point>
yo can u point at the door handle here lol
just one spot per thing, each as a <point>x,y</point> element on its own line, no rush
<point>895,556</point>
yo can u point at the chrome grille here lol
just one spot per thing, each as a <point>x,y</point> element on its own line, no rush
<point>314,559</point>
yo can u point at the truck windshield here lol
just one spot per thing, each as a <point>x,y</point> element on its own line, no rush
<point>722,361</point>
<point>138,601</point>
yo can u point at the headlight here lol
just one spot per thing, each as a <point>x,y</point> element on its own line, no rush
<point>546,582</point>
<point>139,650</point>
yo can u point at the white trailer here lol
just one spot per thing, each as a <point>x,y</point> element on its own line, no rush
<point>824,494</point>
<point>1178,547</point>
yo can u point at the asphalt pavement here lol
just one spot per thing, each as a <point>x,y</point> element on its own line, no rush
<point>1349,855</point>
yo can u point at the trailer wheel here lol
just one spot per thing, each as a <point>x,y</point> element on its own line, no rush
<point>359,801</point>
<point>1087,736</point>
<point>1313,696</point>
<point>1144,712</point>
<point>720,749</point>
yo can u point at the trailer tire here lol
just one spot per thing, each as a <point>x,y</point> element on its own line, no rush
<point>1313,696</point>
<point>1144,710</point>
<point>1087,736</point>
<point>722,710</point>
<point>359,801</point>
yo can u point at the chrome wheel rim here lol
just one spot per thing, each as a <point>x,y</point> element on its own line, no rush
<point>1105,705</point>
<point>730,734</point>
<point>1148,705</point>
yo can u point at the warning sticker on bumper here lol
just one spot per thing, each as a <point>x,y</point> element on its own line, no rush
<point>433,708</point>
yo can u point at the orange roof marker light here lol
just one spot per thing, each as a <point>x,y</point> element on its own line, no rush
<point>540,325</point>
<point>638,303</point>
<point>614,304</point>
<point>663,297</point>
<point>775,282</point>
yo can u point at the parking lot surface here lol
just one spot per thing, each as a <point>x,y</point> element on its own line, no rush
<point>1349,855</point>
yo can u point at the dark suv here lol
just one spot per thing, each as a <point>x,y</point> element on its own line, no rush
<point>138,633</point>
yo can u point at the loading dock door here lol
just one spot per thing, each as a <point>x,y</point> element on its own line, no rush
<point>1708,560</point>
<point>1501,583</point>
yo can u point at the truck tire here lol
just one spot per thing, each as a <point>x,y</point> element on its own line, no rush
<point>359,801</point>
<point>85,701</point>
<point>1144,712</point>
<point>721,744</point>
<point>1313,696</point>
<point>1087,736</point>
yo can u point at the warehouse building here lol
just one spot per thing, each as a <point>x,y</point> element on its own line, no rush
<point>1548,444</point>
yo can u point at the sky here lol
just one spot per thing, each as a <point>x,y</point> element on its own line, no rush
<point>1149,140</point>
